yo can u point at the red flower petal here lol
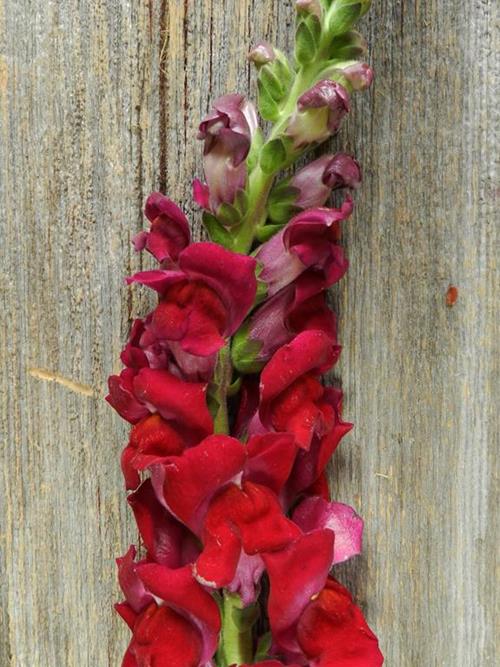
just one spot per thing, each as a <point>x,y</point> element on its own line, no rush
<point>180,589</point>
<point>270,459</point>
<point>183,403</point>
<point>133,588</point>
<point>121,396</point>
<point>333,630</point>
<point>168,542</point>
<point>164,638</point>
<point>187,483</point>
<point>296,574</point>
<point>314,512</point>
<point>229,274</point>
<point>250,518</point>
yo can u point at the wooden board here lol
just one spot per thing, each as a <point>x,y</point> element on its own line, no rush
<point>99,103</point>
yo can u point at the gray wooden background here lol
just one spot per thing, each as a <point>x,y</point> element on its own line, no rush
<point>99,103</point>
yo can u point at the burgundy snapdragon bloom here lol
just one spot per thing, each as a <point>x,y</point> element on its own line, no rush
<point>169,231</point>
<point>203,300</point>
<point>332,631</point>
<point>174,621</point>
<point>316,180</point>
<point>292,399</point>
<point>309,242</point>
<point>227,133</point>
<point>319,113</point>
<point>278,320</point>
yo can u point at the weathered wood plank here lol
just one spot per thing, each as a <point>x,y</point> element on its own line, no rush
<point>99,103</point>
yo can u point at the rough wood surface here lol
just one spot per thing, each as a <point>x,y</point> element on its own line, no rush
<point>99,101</point>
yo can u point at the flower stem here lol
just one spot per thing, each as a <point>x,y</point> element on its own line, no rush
<point>236,643</point>
<point>219,388</point>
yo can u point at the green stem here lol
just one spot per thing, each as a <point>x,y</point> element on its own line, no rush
<point>236,643</point>
<point>259,183</point>
<point>219,388</point>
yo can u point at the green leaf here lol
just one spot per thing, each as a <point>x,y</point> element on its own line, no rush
<point>269,109</point>
<point>343,16</point>
<point>349,46</point>
<point>305,44</point>
<point>273,156</point>
<point>271,83</point>
<point>241,202</point>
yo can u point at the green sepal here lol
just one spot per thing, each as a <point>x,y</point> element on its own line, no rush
<point>241,202</point>
<point>234,387</point>
<point>254,152</point>
<point>349,46</point>
<point>228,215</point>
<point>264,233</point>
<point>235,644</point>
<point>216,231</point>
<point>268,108</point>
<point>244,352</point>
<point>281,68</point>
<point>263,647</point>
<point>273,156</point>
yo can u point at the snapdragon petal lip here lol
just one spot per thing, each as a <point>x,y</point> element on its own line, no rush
<point>168,542</point>
<point>296,574</point>
<point>314,512</point>
<point>332,631</point>
<point>135,593</point>
<point>178,588</point>
<point>187,483</point>
<point>184,403</point>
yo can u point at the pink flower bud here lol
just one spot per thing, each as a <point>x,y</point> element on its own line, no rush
<point>320,111</point>
<point>261,54</point>
<point>359,75</point>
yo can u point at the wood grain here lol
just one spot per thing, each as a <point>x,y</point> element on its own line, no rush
<point>99,102</point>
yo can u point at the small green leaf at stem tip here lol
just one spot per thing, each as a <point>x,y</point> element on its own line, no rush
<point>273,156</point>
<point>263,647</point>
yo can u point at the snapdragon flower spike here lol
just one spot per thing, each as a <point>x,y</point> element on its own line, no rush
<point>232,428</point>
<point>227,134</point>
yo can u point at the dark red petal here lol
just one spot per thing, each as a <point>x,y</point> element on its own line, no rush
<point>183,403</point>
<point>270,459</point>
<point>122,397</point>
<point>296,574</point>
<point>168,542</point>
<point>309,352</point>
<point>127,613</point>
<point>164,638</point>
<point>229,274</point>
<point>132,587</point>
<point>333,629</point>
<point>188,482</point>
<point>179,588</point>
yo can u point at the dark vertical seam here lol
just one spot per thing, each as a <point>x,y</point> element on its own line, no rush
<point>162,93</point>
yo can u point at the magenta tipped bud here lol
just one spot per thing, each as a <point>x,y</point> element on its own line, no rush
<point>319,113</point>
<point>261,54</point>
<point>359,76</point>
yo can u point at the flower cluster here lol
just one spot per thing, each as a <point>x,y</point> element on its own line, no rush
<point>232,428</point>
